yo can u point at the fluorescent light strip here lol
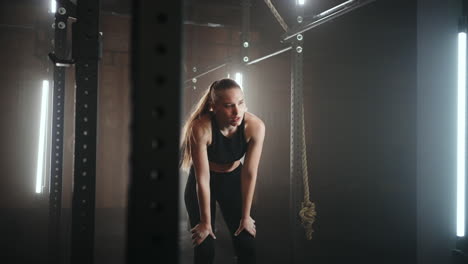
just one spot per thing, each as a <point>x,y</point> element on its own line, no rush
<point>300,2</point>
<point>42,137</point>
<point>46,137</point>
<point>53,6</point>
<point>239,79</point>
<point>461,134</point>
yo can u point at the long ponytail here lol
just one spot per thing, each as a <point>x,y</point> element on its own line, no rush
<point>201,108</point>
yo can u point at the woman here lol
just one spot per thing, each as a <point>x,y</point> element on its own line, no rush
<point>215,137</point>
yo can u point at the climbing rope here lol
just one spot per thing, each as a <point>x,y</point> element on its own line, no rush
<point>307,212</point>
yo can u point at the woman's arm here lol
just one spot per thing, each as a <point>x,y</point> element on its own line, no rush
<point>202,171</point>
<point>250,168</point>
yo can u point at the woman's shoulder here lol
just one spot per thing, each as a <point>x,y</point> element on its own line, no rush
<point>202,126</point>
<point>254,126</point>
<point>253,120</point>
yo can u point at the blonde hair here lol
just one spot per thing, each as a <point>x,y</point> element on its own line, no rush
<point>204,106</point>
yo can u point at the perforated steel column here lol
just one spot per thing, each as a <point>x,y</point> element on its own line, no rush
<point>153,217</point>
<point>85,53</point>
<point>245,41</point>
<point>55,188</point>
<point>245,35</point>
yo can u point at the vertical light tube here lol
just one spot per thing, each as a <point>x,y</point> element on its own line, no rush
<point>42,137</point>
<point>53,6</point>
<point>238,79</point>
<point>461,134</point>
<point>47,138</point>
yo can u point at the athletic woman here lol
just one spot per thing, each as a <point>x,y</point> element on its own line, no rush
<point>217,134</point>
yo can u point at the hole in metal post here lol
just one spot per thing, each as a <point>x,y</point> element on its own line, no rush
<point>160,80</point>
<point>154,175</point>
<point>161,49</point>
<point>157,112</point>
<point>155,144</point>
<point>161,18</point>
<point>156,207</point>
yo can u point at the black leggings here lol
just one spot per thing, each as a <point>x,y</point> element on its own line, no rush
<point>226,189</point>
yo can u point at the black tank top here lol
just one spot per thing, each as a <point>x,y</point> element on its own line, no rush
<point>225,150</point>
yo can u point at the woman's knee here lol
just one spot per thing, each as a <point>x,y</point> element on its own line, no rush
<point>246,244</point>
<point>204,253</point>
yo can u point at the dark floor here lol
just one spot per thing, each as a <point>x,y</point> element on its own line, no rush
<point>24,240</point>
<point>23,236</point>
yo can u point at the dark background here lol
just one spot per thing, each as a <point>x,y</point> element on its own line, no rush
<point>380,116</point>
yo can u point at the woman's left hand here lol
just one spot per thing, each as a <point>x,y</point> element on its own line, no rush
<point>247,224</point>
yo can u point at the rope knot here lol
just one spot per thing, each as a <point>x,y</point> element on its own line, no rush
<point>307,215</point>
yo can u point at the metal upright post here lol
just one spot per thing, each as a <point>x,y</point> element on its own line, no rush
<point>86,55</point>
<point>56,166</point>
<point>245,38</point>
<point>153,213</point>
<point>245,34</point>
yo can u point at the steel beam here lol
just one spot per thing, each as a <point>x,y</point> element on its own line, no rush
<point>153,207</point>
<point>56,166</point>
<point>245,33</point>
<point>269,56</point>
<point>86,56</point>
<point>324,17</point>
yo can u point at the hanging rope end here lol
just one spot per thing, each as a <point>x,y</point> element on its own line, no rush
<point>307,215</point>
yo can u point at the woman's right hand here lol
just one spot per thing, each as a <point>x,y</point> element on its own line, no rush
<point>200,232</point>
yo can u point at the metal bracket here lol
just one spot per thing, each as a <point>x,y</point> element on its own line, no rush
<point>60,62</point>
<point>66,7</point>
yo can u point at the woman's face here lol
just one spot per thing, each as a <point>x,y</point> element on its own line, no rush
<point>230,106</point>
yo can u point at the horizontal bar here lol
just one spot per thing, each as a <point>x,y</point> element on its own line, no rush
<point>334,9</point>
<point>210,70</point>
<point>30,27</point>
<point>345,9</point>
<point>269,56</point>
<point>207,24</point>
